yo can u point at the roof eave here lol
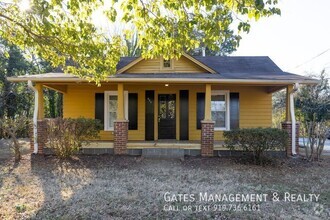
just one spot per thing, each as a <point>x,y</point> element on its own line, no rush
<point>162,80</point>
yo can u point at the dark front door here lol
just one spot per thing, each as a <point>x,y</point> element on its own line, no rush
<point>166,116</point>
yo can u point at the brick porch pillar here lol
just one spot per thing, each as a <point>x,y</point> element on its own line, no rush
<point>41,136</point>
<point>120,137</point>
<point>287,125</point>
<point>207,139</point>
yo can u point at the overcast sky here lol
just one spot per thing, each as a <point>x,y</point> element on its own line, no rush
<point>295,40</point>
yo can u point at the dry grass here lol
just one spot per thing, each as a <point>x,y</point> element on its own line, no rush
<point>107,187</point>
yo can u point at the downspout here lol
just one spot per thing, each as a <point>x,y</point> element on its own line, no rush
<point>35,117</point>
<point>293,119</point>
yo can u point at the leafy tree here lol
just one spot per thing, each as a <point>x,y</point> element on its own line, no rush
<point>313,101</point>
<point>53,104</point>
<point>14,98</point>
<point>17,99</point>
<point>312,104</point>
<point>59,30</point>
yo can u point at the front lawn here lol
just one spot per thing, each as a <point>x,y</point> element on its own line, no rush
<point>108,187</point>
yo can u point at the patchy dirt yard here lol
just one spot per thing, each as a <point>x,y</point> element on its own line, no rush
<point>107,187</point>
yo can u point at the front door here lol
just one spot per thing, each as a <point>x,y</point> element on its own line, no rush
<point>166,116</point>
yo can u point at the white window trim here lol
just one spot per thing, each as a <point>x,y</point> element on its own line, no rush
<point>106,107</point>
<point>227,100</point>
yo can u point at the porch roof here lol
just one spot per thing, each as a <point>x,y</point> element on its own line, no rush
<point>242,78</point>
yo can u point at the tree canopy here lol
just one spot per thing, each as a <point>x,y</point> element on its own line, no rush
<point>63,32</point>
<point>313,101</point>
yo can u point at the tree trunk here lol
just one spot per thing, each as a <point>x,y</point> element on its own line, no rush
<point>16,147</point>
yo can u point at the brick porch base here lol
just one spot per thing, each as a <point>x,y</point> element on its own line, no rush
<point>207,139</point>
<point>41,136</point>
<point>120,137</point>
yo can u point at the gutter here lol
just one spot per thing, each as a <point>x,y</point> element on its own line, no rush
<point>293,119</point>
<point>35,117</point>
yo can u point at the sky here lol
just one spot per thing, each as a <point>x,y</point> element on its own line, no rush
<point>298,41</point>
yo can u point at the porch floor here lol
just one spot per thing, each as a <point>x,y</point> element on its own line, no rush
<point>174,144</point>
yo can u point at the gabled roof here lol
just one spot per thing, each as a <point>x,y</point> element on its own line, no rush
<point>231,69</point>
<point>220,64</point>
<point>127,62</point>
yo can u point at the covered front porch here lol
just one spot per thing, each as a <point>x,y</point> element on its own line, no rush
<point>188,123</point>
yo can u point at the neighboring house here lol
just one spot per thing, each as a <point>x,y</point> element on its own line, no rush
<point>183,104</point>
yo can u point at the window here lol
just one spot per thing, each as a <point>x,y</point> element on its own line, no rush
<point>110,108</point>
<point>220,110</point>
<point>167,63</point>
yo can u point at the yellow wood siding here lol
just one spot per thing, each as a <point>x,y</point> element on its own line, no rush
<point>182,65</point>
<point>255,106</point>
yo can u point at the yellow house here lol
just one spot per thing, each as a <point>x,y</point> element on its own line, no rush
<point>183,104</point>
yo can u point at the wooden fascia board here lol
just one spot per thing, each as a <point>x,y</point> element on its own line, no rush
<point>198,63</point>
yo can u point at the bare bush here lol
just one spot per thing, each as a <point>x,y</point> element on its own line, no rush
<point>66,136</point>
<point>316,135</point>
<point>11,128</point>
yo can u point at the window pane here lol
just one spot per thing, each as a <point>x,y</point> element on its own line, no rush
<point>112,110</point>
<point>113,97</point>
<point>167,63</point>
<point>218,108</point>
<point>112,103</point>
<point>112,118</point>
<point>218,103</point>
<point>218,98</point>
<point>171,109</point>
<point>219,118</point>
<point>162,109</point>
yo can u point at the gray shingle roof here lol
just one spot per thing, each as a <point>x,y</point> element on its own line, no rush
<point>124,61</point>
<point>239,64</point>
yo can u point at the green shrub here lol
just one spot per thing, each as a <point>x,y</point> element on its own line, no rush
<point>66,136</point>
<point>256,140</point>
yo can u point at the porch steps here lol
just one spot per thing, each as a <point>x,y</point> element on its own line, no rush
<point>163,153</point>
